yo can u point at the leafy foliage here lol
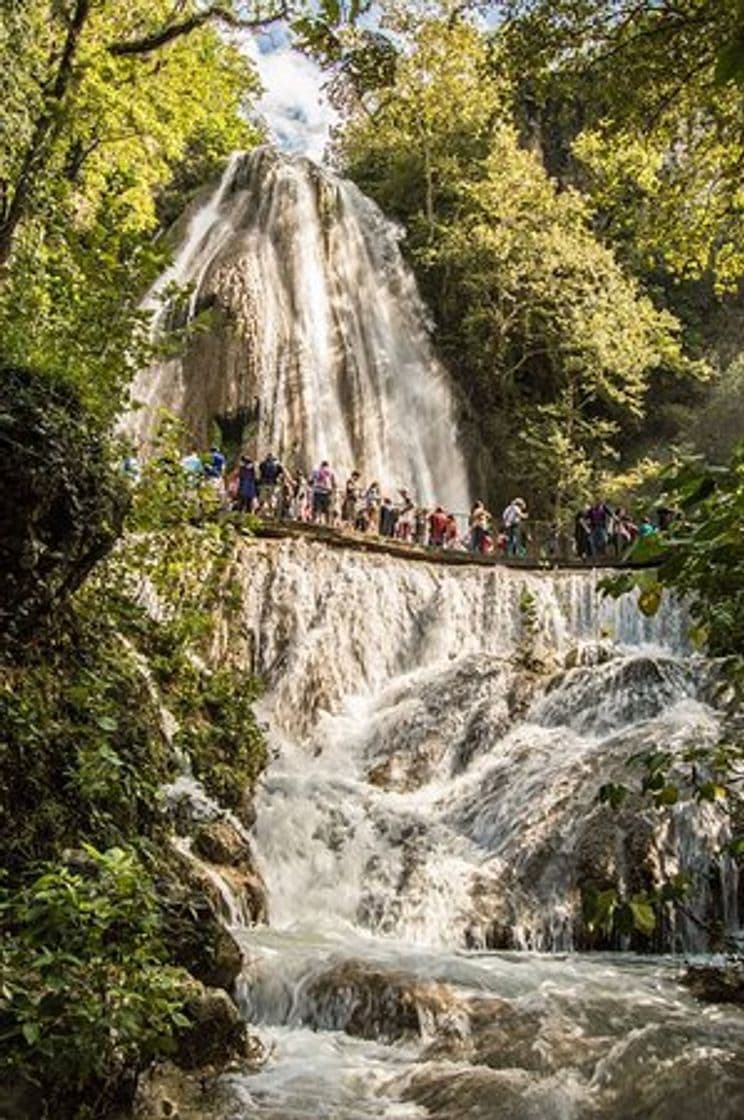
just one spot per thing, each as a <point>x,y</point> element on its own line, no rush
<point>699,559</point>
<point>87,998</point>
<point>90,139</point>
<point>88,995</point>
<point>651,93</point>
<point>550,337</point>
<point>61,510</point>
<point>701,556</point>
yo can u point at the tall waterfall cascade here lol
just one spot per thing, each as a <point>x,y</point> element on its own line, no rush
<point>426,828</point>
<point>312,340</point>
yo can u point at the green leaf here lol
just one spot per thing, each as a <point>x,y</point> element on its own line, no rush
<point>649,600</point>
<point>31,1033</point>
<point>712,791</point>
<point>644,918</point>
<point>730,62</point>
<point>107,723</point>
<point>613,794</point>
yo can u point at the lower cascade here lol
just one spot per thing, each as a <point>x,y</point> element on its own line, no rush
<point>426,832</point>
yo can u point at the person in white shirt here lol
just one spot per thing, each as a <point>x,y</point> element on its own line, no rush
<point>513,517</point>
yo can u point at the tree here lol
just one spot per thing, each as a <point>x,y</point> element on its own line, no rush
<point>89,140</point>
<point>649,91</point>
<point>110,115</point>
<point>546,331</point>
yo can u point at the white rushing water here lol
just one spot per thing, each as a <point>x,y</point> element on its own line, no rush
<point>316,324</point>
<point>430,817</point>
<point>430,801</point>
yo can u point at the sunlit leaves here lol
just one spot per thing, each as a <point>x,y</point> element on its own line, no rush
<point>83,252</point>
<point>536,314</point>
<point>659,143</point>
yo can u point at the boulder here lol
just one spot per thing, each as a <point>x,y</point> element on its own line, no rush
<point>222,845</point>
<point>717,983</point>
<point>449,1091</point>
<point>220,842</point>
<point>369,1001</point>
<point>216,1034</point>
<point>193,928</point>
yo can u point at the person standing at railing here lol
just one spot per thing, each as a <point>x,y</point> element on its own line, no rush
<point>323,483</point>
<point>388,518</point>
<point>452,533</point>
<point>247,485</point>
<point>352,494</point>
<point>437,528</point>
<point>406,518</point>
<point>600,518</point>
<point>270,472</point>
<point>513,519</point>
<point>480,520</point>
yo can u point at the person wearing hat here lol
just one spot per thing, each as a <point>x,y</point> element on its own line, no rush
<point>512,518</point>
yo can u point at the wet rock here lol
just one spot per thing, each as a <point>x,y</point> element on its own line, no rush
<point>370,1002</point>
<point>405,774</point>
<point>520,694</point>
<point>503,1034</point>
<point>608,696</point>
<point>216,1034</point>
<point>427,729</point>
<point>449,1093</point>
<point>193,928</point>
<point>589,653</point>
<point>221,844</point>
<point>717,983</point>
<point>169,1092</point>
<point>656,1072</point>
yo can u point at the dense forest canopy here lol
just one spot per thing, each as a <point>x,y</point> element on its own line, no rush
<point>571,202</point>
<point>567,176</point>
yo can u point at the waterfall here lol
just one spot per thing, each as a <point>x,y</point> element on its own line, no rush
<point>431,812</point>
<point>429,787</point>
<point>315,342</point>
<point>430,816</point>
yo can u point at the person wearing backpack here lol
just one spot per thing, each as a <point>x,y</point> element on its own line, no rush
<point>270,472</point>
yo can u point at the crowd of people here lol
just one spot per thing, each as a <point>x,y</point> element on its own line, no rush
<point>600,531</point>
<point>269,489</point>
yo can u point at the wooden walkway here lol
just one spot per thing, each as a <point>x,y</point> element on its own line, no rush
<point>387,546</point>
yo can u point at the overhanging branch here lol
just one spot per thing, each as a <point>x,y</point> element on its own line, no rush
<point>215,13</point>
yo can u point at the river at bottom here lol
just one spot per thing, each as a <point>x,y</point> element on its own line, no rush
<point>359,1027</point>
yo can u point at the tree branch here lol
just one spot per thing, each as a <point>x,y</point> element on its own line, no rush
<point>215,13</point>
<point>45,130</point>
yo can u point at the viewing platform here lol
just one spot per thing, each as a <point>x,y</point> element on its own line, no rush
<point>536,559</point>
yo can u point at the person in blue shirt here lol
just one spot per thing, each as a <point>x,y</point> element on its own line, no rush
<point>215,464</point>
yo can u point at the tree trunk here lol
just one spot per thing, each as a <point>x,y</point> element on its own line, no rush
<point>21,192</point>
